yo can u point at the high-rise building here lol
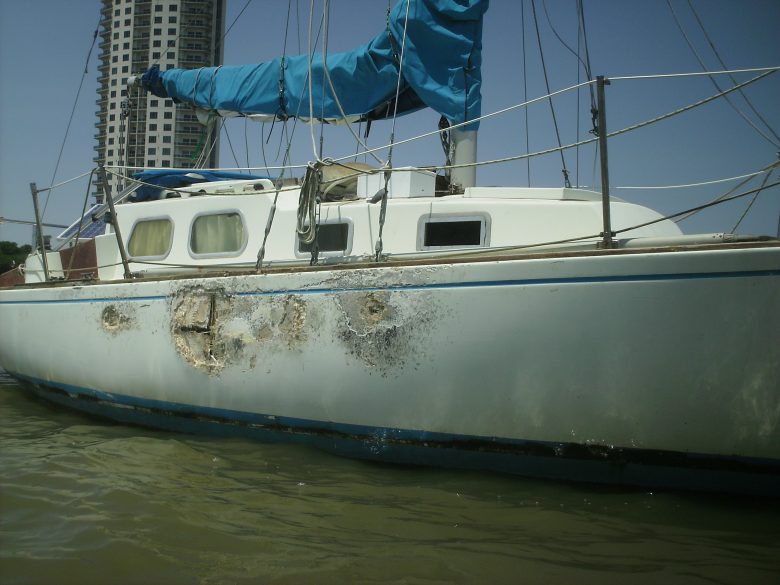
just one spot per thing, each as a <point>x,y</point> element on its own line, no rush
<point>139,129</point>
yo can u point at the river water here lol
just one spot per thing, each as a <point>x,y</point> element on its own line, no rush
<point>86,501</point>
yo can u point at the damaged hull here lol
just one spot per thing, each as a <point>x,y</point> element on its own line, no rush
<point>657,369</point>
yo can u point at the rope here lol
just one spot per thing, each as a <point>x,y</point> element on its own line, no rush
<point>716,181</point>
<point>307,204</point>
<point>694,74</point>
<point>698,208</point>
<point>734,188</point>
<point>60,184</point>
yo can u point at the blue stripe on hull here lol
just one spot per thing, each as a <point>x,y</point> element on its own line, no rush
<point>443,285</point>
<point>558,461</point>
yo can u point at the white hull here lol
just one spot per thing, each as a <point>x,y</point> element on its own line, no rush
<point>656,368</point>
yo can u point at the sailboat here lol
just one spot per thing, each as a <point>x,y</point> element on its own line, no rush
<point>401,315</point>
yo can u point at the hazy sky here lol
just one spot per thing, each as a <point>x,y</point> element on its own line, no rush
<point>44,44</point>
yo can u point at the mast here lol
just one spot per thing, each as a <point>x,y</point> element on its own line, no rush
<point>464,147</point>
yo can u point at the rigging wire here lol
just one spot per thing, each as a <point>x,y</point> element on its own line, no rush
<point>246,141</point>
<point>700,184</point>
<point>580,32</point>
<point>72,113</point>
<point>723,64</point>
<point>739,185</point>
<point>230,143</point>
<point>383,208</point>
<point>752,201</point>
<point>616,132</point>
<point>715,83</point>
<point>525,90</point>
<point>564,170</point>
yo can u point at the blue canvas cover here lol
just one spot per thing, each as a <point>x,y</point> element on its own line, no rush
<point>441,70</point>
<point>159,179</point>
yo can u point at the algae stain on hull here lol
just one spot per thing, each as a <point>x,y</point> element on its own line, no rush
<point>386,331</point>
<point>115,318</point>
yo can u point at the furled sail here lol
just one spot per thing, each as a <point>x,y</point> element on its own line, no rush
<point>440,70</point>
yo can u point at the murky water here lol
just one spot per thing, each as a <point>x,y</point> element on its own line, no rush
<point>84,501</point>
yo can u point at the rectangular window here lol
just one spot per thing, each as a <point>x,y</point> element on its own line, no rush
<point>167,115</point>
<point>172,31</point>
<point>151,238</point>
<point>157,43</point>
<point>166,151</point>
<point>156,55</point>
<point>158,20</point>
<point>166,139</point>
<point>171,20</point>
<point>167,127</point>
<point>152,127</point>
<point>331,237</point>
<point>150,163</point>
<point>453,232</point>
<point>166,163</point>
<point>151,151</point>
<point>220,233</point>
<point>153,115</point>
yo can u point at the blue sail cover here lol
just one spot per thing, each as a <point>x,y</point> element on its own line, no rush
<point>441,69</point>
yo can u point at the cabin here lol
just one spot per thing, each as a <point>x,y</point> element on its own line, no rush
<point>221,225</point>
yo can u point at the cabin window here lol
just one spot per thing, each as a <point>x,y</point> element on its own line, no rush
<point>219,233</point>
<point>456,231</point>
<point>333,239</point>
<point>151,238</point>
